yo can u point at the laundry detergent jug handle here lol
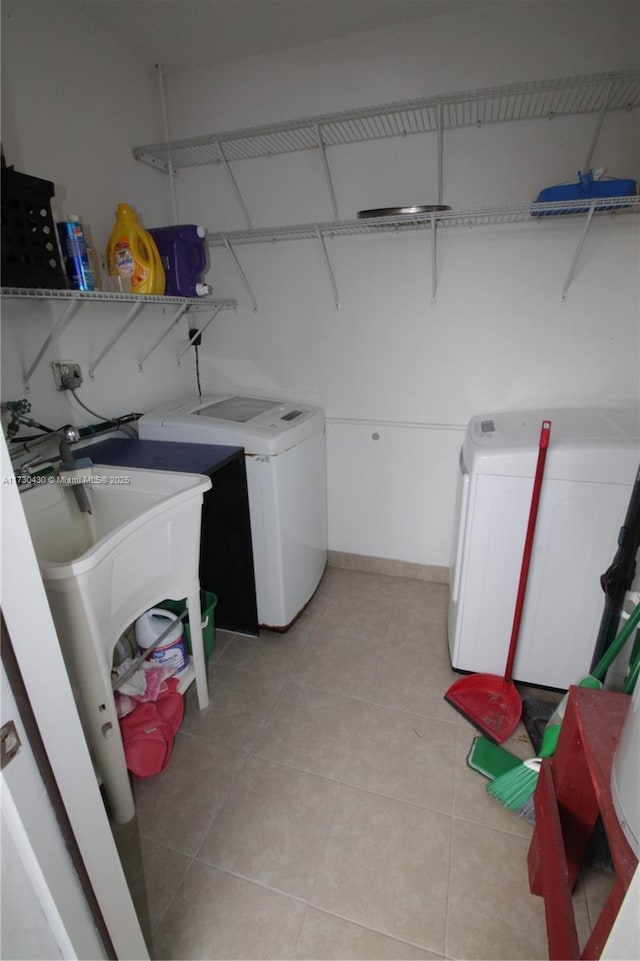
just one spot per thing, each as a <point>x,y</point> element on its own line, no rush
<point>143,249</point>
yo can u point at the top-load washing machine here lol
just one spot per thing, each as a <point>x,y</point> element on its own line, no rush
<point>286,477</point>
<point>589,473</point>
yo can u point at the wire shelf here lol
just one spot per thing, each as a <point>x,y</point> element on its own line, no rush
<point>617,90</point>
<point>464,218</point>
<point>72,301</point>
<point>103,296</point>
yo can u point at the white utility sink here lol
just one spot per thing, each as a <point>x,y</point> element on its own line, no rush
<point>140,545</point>
<point>69,542</point>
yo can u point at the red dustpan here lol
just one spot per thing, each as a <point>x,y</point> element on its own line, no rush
<point>490,702</point>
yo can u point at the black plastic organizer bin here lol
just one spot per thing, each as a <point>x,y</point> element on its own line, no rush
<point>30,255</point>
<point>208,603</point>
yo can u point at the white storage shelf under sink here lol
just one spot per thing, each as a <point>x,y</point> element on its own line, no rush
<point>140,545</point>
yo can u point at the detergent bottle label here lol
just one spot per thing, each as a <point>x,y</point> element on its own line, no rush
<point>125,263</point>
<point>128,266</point>
<point>173,658</point>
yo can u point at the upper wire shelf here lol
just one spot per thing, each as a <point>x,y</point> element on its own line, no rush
<point>590,93</point>
<point>463,218</point>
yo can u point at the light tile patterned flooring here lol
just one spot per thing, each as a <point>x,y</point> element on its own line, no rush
<point>321,806</point>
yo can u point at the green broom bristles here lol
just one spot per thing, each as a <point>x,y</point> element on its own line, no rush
<point>514,789</point>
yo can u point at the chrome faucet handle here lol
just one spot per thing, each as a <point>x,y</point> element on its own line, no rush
<point>69,434</point>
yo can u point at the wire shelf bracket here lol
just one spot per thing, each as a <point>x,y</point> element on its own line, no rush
<point>131,316</point>
<point>440,153</point>
<point>60,325</point>
<point>152,160</point>
<point>598,127</point>
<point>234,186</point>
<point>176,317</point>
<point>199,333</point>
<point>73,301</point>
<point>576,256</point>
<point>167,137</point>
<point>241,273</point>
<point>327,171</point>
<point>434,262</point>
<point>327,263</point>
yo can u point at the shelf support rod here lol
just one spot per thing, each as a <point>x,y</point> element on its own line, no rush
<point>576,256</point>
<point>434,261</point>
<point>241,272</point>
<point>327,173</point>
<point>167,137</point>
<point>234,185</point>
<point>200,332</point>
<point>176,317</point>
<point>596,132</point>
<point>440,152</point>
<point>61,324</point>
<point>131,316</point>
<point>327,264</point>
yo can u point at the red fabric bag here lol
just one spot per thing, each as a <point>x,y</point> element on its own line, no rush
<point>148,732</point>
<point>170,703</point>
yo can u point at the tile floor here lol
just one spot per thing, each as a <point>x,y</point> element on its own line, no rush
<point>321,807</point>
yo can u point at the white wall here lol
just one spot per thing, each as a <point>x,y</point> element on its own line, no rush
<point>499,336</point>
<point>386,362</point>
<point>74,102</point>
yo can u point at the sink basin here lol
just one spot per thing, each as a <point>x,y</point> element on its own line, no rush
<point>68,542</point>
<point>101,571</point>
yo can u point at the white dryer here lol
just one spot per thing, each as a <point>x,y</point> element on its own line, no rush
<point>590,468</point>
<point>286,476</point>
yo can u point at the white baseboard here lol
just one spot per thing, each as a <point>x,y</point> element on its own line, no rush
<point>386,565</point>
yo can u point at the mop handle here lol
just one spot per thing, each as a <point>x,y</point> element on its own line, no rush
<point>528,544</point>
<point>603,665</point>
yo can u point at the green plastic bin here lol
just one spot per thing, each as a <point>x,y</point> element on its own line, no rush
<point>208,603</point>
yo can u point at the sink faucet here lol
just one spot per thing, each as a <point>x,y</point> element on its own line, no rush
<point>67,436</point>
<point>71,435</point>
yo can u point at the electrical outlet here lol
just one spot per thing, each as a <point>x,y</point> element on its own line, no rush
<point>67,374</point>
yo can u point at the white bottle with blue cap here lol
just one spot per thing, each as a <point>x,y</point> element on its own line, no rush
<point>171,653</point>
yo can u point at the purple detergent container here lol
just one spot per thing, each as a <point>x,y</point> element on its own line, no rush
<point>183,253</point>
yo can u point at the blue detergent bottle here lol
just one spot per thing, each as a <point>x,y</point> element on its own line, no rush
<point>183,252</point>
<point>75,254</point>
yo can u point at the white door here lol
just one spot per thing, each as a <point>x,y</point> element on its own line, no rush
<point>44,911</point>
<point>37,650</point>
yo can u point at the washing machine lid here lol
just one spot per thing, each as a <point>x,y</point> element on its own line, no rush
<point>263,426</point>
<point>587,444</point>
<point>238,410</point>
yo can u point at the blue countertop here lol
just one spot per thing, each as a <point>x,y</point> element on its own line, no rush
<point>160,455</point>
